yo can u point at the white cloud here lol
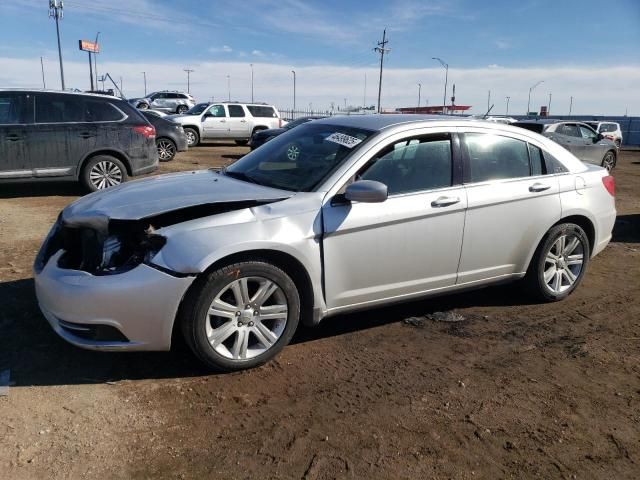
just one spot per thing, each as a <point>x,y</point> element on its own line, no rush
<point>323,84</point>
<point>257,53</point>
<point>502,44</point>
<point>222,49</point>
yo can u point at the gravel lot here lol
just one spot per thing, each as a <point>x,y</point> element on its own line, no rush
<point>515,390</point>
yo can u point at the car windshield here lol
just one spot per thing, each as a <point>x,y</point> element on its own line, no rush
<point>295,123</point>
<point>197,109</point>
<point>301,158</point>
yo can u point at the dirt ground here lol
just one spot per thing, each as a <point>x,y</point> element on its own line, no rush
<point>516,390</point>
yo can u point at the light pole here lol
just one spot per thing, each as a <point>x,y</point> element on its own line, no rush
<point>55,11</point>
<point>570,105</point>
<point>489,101</point>
<point>229,86</point>
<point>44,85</point>
<point>144,74</point>
<point>446,78</point>
<point>251,65</point>
<point>529,100</point>
<point>419,91</point>
<point>189,71</point>
<point>294,90</point>
<point>549,105</point>
<point>95,59</point>
<point>507,112</point>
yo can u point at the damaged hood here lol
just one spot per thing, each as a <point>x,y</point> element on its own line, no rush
<point>162,194</point>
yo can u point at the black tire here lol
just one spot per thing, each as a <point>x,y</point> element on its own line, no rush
<point>617,142</point>
<point>193,137</point>
<point>535,281</point>
<point>112,171</point>
<point>195,317</point>
<point>181,109</point>
<point>166,149</point>
<point>242,143</point>
<point>142,106</point>
<point>609,160</point>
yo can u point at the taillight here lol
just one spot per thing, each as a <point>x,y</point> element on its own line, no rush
<point>610,184</point>
<point>147,131</point>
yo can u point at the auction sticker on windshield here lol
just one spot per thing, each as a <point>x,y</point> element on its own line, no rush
<point>344,140</point>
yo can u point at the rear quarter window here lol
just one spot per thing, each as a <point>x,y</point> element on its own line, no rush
<point>264,112</point>
<point>97,111</point>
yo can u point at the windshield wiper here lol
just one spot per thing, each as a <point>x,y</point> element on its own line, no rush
<point>240,176</point>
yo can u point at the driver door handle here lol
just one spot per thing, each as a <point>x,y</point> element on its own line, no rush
<point>445,201</point>
<point>539,187</point>
<point>223,121</point>
<point>243,121</point>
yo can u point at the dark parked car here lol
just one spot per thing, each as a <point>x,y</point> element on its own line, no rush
<point>170,136</point>
<point>577,137</point>
<point>263,136</point>
<point>96,139</point>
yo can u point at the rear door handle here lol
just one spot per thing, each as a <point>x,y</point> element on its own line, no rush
<point>86,135</point>
<point>243,121</point>
<point>445,201</point>
<point>14,138</point>
<point>539,187</point>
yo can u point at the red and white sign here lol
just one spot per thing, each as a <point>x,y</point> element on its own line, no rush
<point>89,46</point>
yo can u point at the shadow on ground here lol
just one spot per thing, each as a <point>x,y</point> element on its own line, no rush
<point>41,189</point>
<point>627,229</point>
<point>35,355</point>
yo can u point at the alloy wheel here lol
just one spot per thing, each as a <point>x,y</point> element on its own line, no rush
<point>191,138</point>
<point>608,161</point>
<point>105,174</point>
<point>166,149</point>
<point>246,318</point>
<point>563,263</point>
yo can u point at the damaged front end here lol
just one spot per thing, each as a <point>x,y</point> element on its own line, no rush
<point>102,246</point>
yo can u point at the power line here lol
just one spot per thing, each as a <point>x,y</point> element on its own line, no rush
<point>381,48</point>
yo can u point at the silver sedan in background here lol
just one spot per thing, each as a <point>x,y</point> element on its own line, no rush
<point>334,216</point>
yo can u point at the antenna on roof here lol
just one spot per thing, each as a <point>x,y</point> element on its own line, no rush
<point>488,111</point>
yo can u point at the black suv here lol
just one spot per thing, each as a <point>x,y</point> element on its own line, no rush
<point>98,140</point>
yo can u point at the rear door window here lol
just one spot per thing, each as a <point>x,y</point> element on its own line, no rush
<point>570,130</point>
<point>538,166</point>
<point>264,112</point>
<point>493,157</point>
<point>13,108</point>
<point>235,111</point>
<point>608,127</point>
<point>59,109</point>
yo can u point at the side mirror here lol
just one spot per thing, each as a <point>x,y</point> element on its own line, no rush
<point>366,191</point>
<point>207,115</point>
<point>599,137</point>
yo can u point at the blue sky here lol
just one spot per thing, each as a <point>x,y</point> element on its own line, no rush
<point>562,42</point>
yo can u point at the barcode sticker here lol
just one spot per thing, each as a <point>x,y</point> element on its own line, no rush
<point>344,140</point>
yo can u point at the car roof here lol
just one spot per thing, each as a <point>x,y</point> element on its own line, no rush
<point>66,92</point>
<point>382,121</point>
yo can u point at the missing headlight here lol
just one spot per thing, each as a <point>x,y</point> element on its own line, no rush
<point>128,248</point>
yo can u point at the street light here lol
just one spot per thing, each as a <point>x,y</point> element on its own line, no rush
<point>189,71</point>
<point>419,88</point>
<point>530,90</point>
<point>446,77</point>
<point>229,86</point>
<point>507,112</point>
<point>144,74</point>
<point>251,65</point>
<point>294,90</point>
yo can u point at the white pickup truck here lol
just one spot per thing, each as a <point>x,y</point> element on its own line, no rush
<point>228,121</point>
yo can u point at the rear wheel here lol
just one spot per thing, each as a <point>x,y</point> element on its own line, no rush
<point>240,316</point>
<point>559,263</point>
<point>142,106</point>
<point>103,171</point>
<point>609,160</point>
<point>166,149</point>
<point>182,109</point>
<point>193,137</point>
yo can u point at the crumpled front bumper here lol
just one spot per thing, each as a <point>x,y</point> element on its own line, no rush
<point>141,303</point>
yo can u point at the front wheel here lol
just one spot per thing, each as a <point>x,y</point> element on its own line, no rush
<point>609,161</point>
<point>193,137</point>
<point>240,316</point>
<point>559,263</point>
<point>103,171</point>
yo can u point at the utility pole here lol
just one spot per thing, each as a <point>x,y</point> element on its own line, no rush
<point>489,101</point>
<point>530,90</point>
<point>44,85</point>
<point>446,78</point>
<point>381,49</point>
<point>55,11</point>
<point>294,90</point>
<point>570,105</point>
<point>91,71</point>
<point>549,106</point>
<point>120,84</point>
<point>229,86</point>
<point>364,95</point>
<point>95,59</point>
<point>507,112</point>
<point>251,65</point>
<point>189,71</point>
<point>144,74</point>
<point>419,92</point>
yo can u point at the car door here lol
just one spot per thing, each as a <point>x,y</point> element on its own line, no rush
<point>567,135</point>
<point>237,121</point>
<point>593,148</point>
<point>214,122</point>
<point>15,117</point>
<point>513,198</point>
<point>409,243</point>
<point>160,101</point>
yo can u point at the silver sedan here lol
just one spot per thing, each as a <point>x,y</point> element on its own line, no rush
<point>337,215</point>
